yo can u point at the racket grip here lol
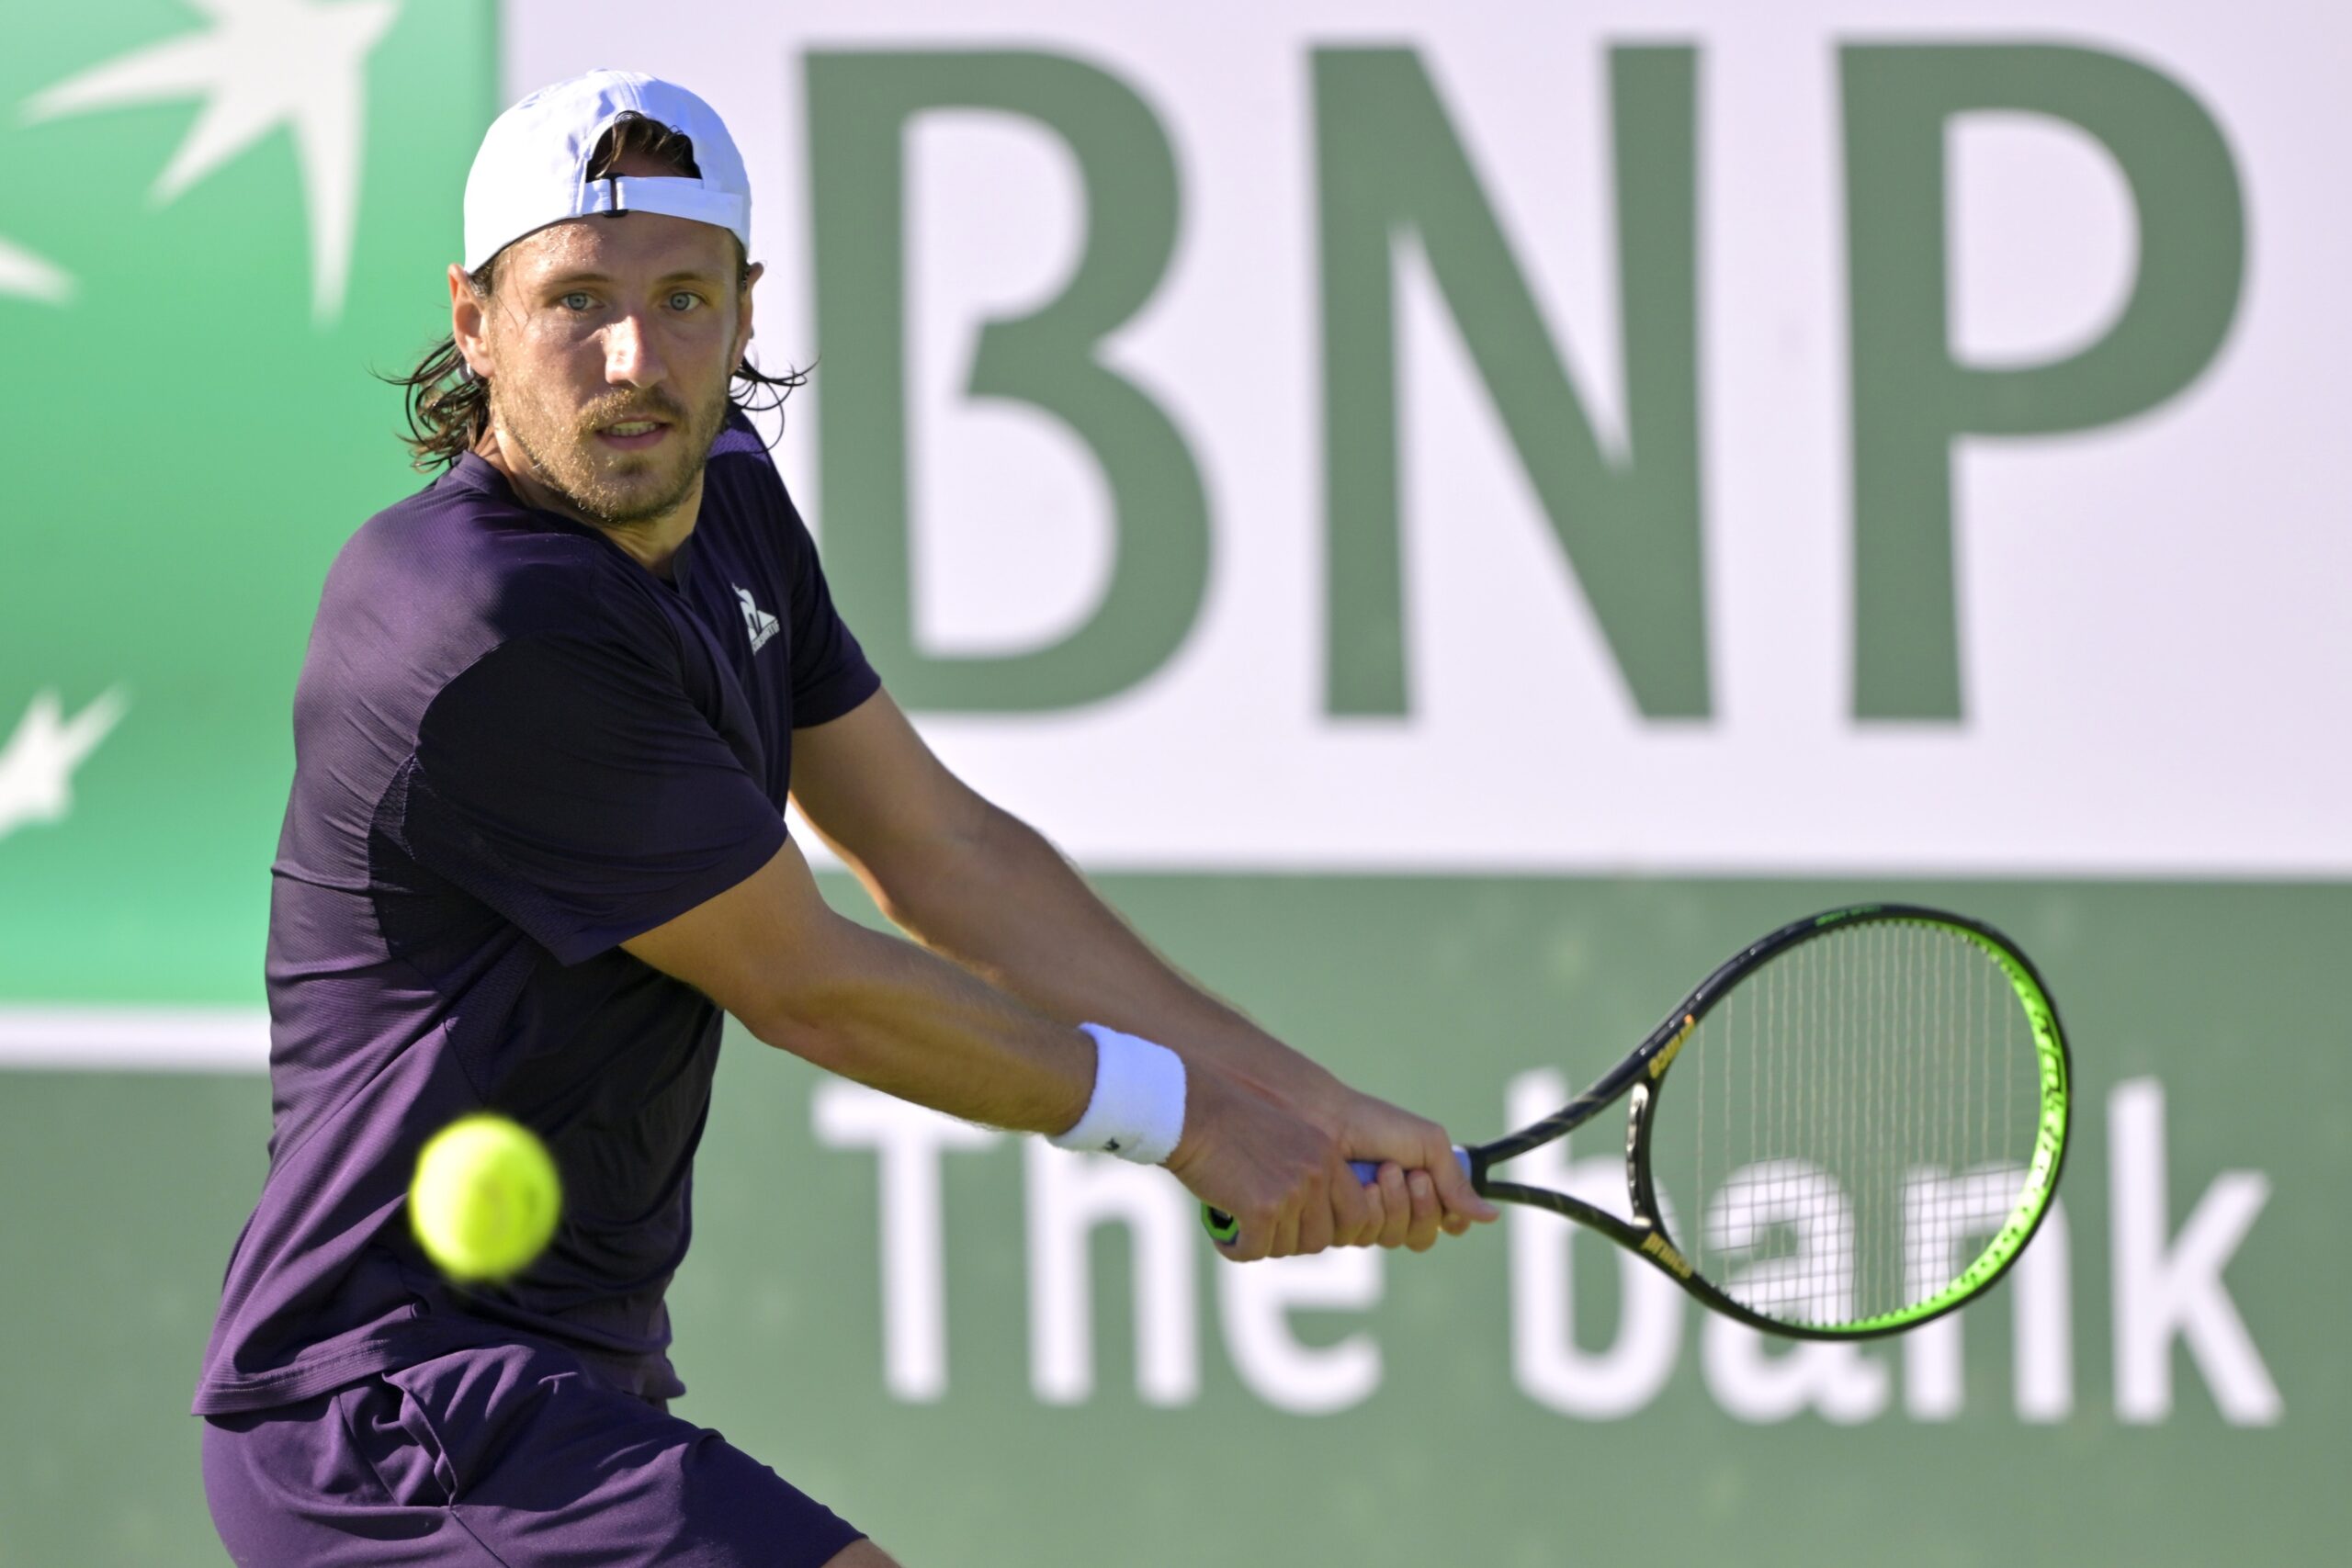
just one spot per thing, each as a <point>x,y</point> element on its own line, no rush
<point>1225,1230</point>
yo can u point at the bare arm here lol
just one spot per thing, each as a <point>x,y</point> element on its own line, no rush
<point>882,1011</point>
<point>975,884</point>
<point>870,1007</point>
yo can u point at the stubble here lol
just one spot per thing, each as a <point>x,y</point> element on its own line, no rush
<point>614,489</point>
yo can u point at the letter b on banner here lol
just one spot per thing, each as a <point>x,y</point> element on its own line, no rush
<point>859,108</point>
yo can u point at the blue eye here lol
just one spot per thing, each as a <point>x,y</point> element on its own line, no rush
<point>690,300</point>
<point>584,300</point>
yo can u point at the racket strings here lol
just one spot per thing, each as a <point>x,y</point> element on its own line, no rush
<point>1871,1164</point>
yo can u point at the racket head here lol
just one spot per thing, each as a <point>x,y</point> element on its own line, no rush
<point>1869,1122</point>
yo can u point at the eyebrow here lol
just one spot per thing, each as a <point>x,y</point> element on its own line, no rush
<point>689,274</point>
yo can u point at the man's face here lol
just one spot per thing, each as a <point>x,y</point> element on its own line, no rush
<point>610,342</point>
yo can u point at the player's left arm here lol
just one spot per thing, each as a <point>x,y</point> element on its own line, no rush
<point>977,885</point>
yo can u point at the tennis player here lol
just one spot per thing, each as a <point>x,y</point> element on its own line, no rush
<point>551,711</point>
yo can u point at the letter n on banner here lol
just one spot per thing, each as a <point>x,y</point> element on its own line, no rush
<point>1627,522</point>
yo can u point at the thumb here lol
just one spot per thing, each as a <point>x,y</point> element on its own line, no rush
<point>1453,1189</point>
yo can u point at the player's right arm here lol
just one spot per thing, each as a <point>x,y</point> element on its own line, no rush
<point>889,1014</point>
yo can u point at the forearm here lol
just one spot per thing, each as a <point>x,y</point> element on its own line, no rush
<point>892,1016</point>
<point>1007,905</point>
<point>1003,903</point>
<point>888,1014</point>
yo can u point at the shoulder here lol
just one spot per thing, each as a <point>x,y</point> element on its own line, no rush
<point>743,478</point>
<point>443,586</point>
<point>459,568</point>
<point>740,452</point>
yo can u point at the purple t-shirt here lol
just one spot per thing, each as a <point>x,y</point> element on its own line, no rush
<point>514,748</point>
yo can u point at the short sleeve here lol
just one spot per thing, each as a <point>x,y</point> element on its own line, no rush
<point>571,784</point>
<point>830,673</point>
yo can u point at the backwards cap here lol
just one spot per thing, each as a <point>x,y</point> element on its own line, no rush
<point>533,167</point>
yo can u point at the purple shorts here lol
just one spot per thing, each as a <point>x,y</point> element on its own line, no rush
<point>508,1455</point>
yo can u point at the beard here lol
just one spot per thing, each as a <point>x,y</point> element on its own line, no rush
<point>614,488</point>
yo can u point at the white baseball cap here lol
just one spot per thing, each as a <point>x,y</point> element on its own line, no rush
<point>532,169</point>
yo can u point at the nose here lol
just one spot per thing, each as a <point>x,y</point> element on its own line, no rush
<point>630,357</point>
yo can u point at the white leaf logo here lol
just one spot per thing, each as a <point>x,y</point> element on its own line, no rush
<point>37,765</point>
<point>28,277</point>
<point>299,63</point>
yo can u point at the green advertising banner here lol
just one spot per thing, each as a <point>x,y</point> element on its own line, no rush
<point>225,217</point>
<point>1458,520</point>
<point>986,1350</point>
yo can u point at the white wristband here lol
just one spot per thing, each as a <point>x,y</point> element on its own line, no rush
<point>1137,1110</point>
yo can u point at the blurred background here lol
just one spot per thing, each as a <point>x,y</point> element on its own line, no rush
<point>1458,516</point>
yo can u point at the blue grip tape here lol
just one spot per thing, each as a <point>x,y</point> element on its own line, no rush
<point>1368,1171</point>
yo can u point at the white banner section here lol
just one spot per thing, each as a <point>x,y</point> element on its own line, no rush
<point>1890,437</point>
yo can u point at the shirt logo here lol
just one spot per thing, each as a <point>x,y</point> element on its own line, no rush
<point>756,621</point>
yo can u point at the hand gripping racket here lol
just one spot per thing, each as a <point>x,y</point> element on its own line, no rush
<point>1870,1117</point>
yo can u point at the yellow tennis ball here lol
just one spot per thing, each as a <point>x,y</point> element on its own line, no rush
<point>485,1199</point>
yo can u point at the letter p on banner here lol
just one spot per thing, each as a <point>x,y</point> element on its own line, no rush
<point>1911,397</point>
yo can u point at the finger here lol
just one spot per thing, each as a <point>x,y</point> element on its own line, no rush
<point>1317,1219</point>
<point>1353,1221</point>
<point>1247,1242</point>
<point>1248,1246</point>
<point>1453,1189</point>
<point>1285,1242</point>
<point>1375,1215</point>
<point>1420,1232</point>
<point>1395,1204</point>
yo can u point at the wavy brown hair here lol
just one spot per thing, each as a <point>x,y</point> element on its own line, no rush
<point>448,405</point>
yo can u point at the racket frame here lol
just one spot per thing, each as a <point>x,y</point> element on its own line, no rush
<point>1640,1080</point>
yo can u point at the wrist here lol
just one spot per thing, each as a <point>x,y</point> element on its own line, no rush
<point>1312,1091</point>
<point>1250,1055</point>
<point>1137,1108</point>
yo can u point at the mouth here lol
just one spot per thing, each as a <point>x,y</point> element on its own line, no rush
<point>633,434</point>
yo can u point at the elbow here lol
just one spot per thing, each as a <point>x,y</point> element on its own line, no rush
<point>812,1009</point>
<point>924,887</point>
<point>791,1022</point>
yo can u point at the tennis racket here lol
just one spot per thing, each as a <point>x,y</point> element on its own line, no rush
<point>1870,1118</point>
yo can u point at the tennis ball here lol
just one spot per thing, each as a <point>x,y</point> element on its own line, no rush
<point>485,1199</point>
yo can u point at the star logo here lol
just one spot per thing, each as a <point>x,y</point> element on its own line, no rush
<point>299,63</point>
<point>37,765</point>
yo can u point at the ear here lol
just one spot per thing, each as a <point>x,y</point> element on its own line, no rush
<point>468,321</point>
<point>743,305</point>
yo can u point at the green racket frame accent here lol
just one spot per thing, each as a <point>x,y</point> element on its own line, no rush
<point>2048,1144</point>
<point>1648,1235</point>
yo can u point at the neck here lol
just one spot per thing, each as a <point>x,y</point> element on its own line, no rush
<point>653,542</point>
